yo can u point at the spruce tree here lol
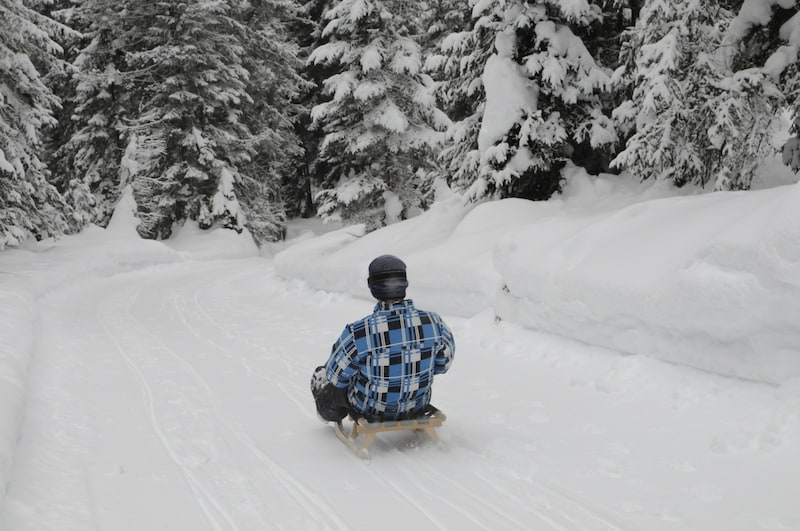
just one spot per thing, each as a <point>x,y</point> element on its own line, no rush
<point>29,204</point>
<point>692,119</point>
<point>99,104</point>
<point>191,136</point>
<point>457,66</point>
<point>380,121</point>
<point>543,96</point>
<point>763,46</point>
<point>276,87</point>
<point>312,172</point>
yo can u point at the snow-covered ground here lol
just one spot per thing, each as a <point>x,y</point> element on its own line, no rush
<point>626,360</point>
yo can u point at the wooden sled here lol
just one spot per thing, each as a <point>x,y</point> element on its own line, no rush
<point>430,419</point>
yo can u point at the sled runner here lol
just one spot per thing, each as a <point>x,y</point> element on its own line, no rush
<point>430,419</point>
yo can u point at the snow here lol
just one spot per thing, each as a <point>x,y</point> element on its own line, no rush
<point>371,59</point>
<point>759,13</point>
<point>509,94</point>
<point>627,358</point>
<point>4,164</point>
<point>366,90</point>
<point>393,207</point>
<point>785,56</point>
<point>407,58</point>
<point>225,201</point>
<point>390,117</point>
<point>755,13</point>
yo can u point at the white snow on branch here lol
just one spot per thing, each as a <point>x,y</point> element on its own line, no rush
<point>780,60</point>
<point>407,60</point>
<point>329,53</point>
<point>367,90</point>
<point>4,164</point>
<point>786,55</point>
<point>580,10</point>
<point>391,117</point>
<point>371,59</point>
<point>509,94</point>
<point>755,13</point>
<point>225,201</point>
<point>360,9</point>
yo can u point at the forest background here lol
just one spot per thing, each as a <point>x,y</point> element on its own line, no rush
<point>244,113</point>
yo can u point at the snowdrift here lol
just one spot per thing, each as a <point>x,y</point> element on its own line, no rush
<point>707,280</point>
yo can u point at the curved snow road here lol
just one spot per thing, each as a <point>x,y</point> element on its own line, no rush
<point>176,398</point>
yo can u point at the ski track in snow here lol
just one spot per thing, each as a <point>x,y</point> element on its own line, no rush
<point>205,367</point>
<point>143,351</point>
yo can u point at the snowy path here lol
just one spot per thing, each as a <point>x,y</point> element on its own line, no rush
<point>177,399</point>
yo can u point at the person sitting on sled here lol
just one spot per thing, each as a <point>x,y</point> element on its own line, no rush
<point>382,366</point>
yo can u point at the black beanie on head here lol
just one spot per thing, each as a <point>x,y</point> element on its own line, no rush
<point>387,278</point>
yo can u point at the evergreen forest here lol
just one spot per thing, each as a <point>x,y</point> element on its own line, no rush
<point>245,113</point>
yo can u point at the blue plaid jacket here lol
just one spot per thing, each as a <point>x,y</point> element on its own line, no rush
<point>387,360</point>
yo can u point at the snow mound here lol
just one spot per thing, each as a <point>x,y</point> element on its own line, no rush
<point>711,281</point>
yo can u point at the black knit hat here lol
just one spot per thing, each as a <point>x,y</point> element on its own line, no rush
<point>387,278</point>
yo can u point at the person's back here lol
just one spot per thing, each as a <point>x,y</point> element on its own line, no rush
<point>391,357</point>
<point>383,366</point>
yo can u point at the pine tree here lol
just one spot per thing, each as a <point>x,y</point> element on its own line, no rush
<point>542,96</point>
<point>763,48</point>
<point>457,67</point>
<point>29,204</point>
<point>311,174</point>
<point>276,87</point>
<point>92,133</point>
<point>689,115</point>
<point>381,122</point>
<point>190,132</point>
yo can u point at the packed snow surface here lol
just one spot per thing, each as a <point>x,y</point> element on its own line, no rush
<point>626,360</point>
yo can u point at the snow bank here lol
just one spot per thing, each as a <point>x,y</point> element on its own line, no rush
<point>30,272</point>
<point>707,280</point>
<point>446,254</point>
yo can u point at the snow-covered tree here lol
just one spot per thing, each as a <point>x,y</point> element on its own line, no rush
<point>691,118</point>
<point>543,94</point>
<point>192,138</point>
<point>380,121</point>
<point>313,172</point>
<point>200,95</point>
<point>743,109</point>
<point>99,101</point>
<point>275,87</point>
<point>440,18</point>
<point>29,204</point>
<point>457,66</point>
<point>765,36</point>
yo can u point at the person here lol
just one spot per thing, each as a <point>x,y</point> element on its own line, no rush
<point>382,366</point>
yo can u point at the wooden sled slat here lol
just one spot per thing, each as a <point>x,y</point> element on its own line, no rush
<point>431,419</point>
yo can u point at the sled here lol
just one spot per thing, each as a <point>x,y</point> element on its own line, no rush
<point>363,432</point>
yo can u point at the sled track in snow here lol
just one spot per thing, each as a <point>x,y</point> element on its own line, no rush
<point>279,380</point>
<point>203,498</point>
<point>222,482</point>
<point>561,512</point>
<point>302,495</point>
<point>568,514</point>
<point>147,357</point>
